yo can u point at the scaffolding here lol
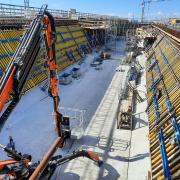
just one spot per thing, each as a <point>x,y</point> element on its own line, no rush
<point>110,34</point>
<point>7,10</point>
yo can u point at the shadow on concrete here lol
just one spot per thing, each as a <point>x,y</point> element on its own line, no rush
<point>114,144</point>
<point>98,139</point>
<point>108,173</point>
<point>139,123</point>
<point>66,176</point>
<point>108,145</point>
<point>131,159</point>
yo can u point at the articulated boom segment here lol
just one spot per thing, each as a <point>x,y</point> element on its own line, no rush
<point>13,83</point>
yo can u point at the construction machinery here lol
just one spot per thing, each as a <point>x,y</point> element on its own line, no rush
<point>42,29</point>
<point>21,167</point>
<point>143,4</point>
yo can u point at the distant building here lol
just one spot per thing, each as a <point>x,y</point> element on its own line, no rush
<point>145,32</point>
<point>174,21</point>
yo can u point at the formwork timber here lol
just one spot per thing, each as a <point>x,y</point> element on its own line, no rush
<point>163,95</point>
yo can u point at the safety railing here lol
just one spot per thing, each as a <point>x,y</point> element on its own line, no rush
<point>76,117</point>
<point>7,10</point>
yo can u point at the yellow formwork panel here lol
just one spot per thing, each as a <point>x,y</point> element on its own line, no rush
<point>81,40</point>
<point>77,34</point>
<point>9,42</point>
<point>69,38</point>
<point>67,35</point>
<point>12,39</point>
<point>59,38</point>
<point>75,27</point>
<point>5,59</point>
<point>170,72</point>
<point>61,28</point>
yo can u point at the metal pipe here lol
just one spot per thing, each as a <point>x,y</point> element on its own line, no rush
<point>43,164</point>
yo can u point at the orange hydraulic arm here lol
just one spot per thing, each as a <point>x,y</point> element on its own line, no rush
<point>50,39</point>
<point>62,127</point>
<point>13,83</point>
<point>7,89</point>
<point>18,71</point>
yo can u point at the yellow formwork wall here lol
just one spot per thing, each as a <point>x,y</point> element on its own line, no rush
<point>69,39</point>
<point>168,58</point>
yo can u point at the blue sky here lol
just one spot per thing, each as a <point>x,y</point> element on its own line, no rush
<point>122,8</point>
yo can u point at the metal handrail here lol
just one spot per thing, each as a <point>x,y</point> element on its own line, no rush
<point>14,10</point>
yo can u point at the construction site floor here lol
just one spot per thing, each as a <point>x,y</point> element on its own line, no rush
<point>139,157</point>
<point>32,123</point>
<point>125,153</point>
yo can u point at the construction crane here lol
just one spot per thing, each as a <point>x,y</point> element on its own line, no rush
<point>12,85</point>
<point>26,4</point>
<point>143,4</point>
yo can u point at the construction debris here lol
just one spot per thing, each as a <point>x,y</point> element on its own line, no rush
<point>97,61</point>
<point>105,55</point>
<point>76,72</point>
<point>125,110</point>
<point>65,79</point>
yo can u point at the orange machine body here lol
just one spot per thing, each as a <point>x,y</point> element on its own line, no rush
<point>7,90</point>
<point>4,163</point>
<point>53,87</point>
<point>53,81</point>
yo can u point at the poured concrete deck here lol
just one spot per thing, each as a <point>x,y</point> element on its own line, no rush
<point>139,160</point>
<point>103,138</point>
<point>125,153</point>
<point>32,123</point>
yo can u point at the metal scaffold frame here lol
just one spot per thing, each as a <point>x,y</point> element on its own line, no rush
<point>163,84</point>
<point>8,10</point>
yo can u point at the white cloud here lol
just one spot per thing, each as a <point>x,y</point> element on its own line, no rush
<point>131,15</point>
<point>159,13</point>
<point>176,14</point>
<point>111,14</point>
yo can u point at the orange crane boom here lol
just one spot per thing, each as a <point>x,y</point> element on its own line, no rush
<point>13,83</point>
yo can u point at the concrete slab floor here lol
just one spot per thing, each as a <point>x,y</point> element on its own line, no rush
<point>103,138</point>
<point>124,157</point>
<point>33,114</point>
<point>32,123</point>
<point>139,161</point>
<point>125,153</point>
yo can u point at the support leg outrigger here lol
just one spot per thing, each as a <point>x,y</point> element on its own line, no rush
<point>59,160</point>
<point>20,166</point>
